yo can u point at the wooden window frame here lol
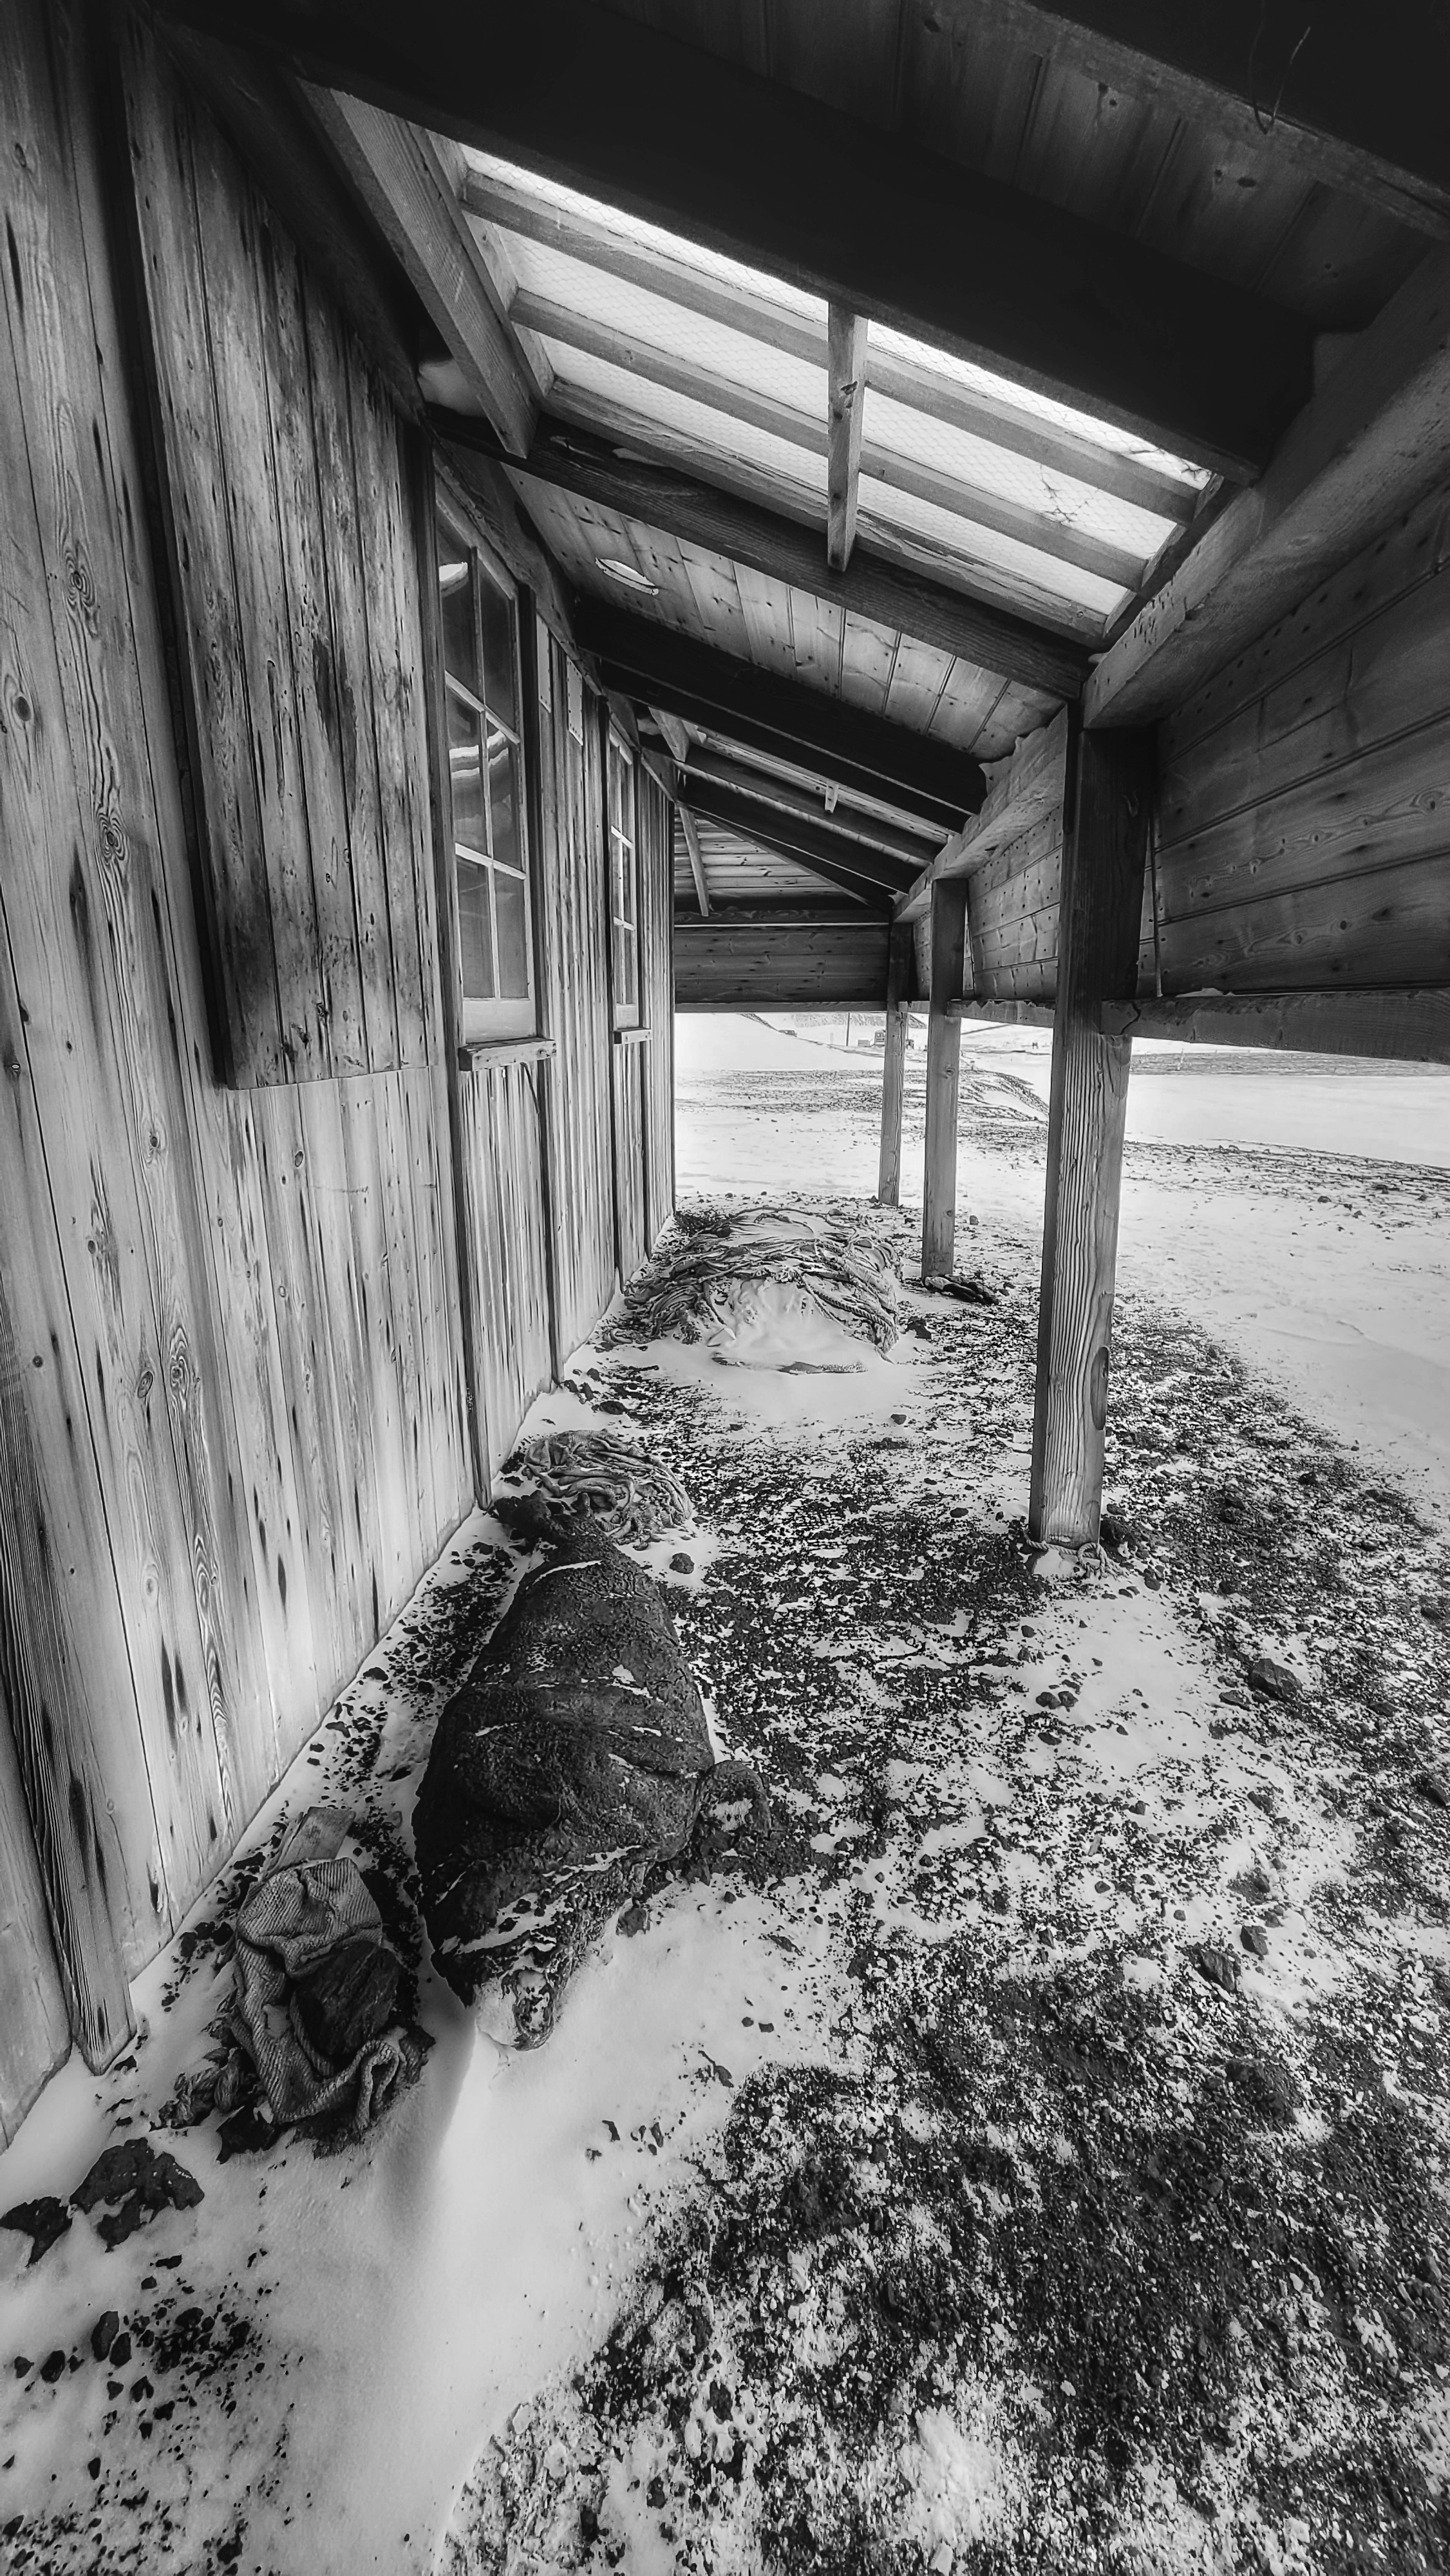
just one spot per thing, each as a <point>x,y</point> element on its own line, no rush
<point>627,1014</point>
<point>482,1023</point>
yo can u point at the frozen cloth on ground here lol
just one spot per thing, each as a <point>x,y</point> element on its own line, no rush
<point>628,1494</point>
<point>293,1920</point>
<point>707,1280</point>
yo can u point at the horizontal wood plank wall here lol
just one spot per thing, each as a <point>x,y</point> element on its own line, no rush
<point>234,1314</point>
<point>629,1149</point>
<point>724,966</point>
<point>657,1002</point>
<point>1305,821</point>
<point>286,492</point>
<point>573,884</point>
<point>503,1160</point>
<point>1012,905</point>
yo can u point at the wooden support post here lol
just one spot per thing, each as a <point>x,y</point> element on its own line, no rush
<point>893,1067</point>
<point>943,1061</point>
<point>1109,802</point>
<point>846,410</point>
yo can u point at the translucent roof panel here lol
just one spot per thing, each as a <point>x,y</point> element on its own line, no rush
<point>1015,572</point>
<point>1024,398</point>
<point>977,464</point>
<point>592,384</point>
<point>654,322</point>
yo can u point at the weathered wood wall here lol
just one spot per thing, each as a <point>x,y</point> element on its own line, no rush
<point>722,965</point>
<point>657,1003</point>
<point>573,889</point>
<point>238,1436</point>
<point>1305,790</point>
<point>508,1247</point>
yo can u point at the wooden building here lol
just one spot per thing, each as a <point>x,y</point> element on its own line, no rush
<point>518,518</point>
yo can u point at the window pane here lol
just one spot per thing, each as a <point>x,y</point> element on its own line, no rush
<point>460,650</point>
<point>498,651</point>
<point>475,938</point>
<point>511,913</point>
<point>465,770</point>
<point>503,797</point>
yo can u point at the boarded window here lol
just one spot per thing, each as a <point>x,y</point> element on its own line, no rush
<point>486,780</point>
<point>623,886</point>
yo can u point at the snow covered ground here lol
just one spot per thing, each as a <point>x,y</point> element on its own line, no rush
<point>1033,2156</point>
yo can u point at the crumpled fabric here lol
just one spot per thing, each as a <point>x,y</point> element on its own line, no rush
<point>290,1921</point>
<point>631,1496</point>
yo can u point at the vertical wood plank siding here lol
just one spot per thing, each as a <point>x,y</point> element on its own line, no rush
<point>657,1002</point>
<point>573,888</point>
<point>629,1200</point>
<point>1305,799</point>
<point>234,1430</point>
<point>509,1249</point>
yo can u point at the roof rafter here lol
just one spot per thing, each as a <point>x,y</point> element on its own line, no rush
<point>690,830</point>
<point>724,695</point>
<point>842,209</point>
<point>889,591</point>
<point>792,837</point>
<point>916,383</point>
<point>780,795</point>
<point>845,413</point>
<point>1052,537</point>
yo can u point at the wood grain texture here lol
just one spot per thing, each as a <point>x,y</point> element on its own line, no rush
<point>1029,788</point>
<point>34,2022</point>
<point>631,1221</point>
<point>846,412</point>
<point>507,1246</point>
<point>1407,1022</point>
<point>573,882</point>
<point>721,966</point>
<point>943,1067</point>
<point>899,977</point>
<point>1111,786</point>
<point>656,980</point>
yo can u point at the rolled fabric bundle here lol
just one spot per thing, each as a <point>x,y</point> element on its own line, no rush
<point>698,1273</point>
<point>629,1494</point>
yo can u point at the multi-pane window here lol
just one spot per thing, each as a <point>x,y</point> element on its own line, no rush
<point>623,885</point>
<point>485,769</point>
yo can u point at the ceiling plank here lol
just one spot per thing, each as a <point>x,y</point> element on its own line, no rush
<point>725,695</point>
<point>697,864</point>
<point>845,414</point>
<point>784,798</point>
<point>1366,117</point>
<point>1052,537</point>
<point>836,207</point>
<point>398,175</point>
<point>891,593</point>
<point>814,844</point>
<point>1373,440</point>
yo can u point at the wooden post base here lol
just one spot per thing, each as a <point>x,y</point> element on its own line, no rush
<point>1109,790</point>
<point>943,1066</point>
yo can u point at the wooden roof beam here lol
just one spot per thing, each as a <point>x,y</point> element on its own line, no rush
<point>1032,784</point>
<point>723,694</point>
<point>1051,537</point>
<point>676,735</point>
<point>1347,113</point>
<point>1373,440</point>
<point>815,845</point>
<point>839,208</point>
<point>781,796</point>
<point>697,865</point>
<point>510,207</point>
<point>845,413</point>
<point>400,178</point>
<point>893,594</point>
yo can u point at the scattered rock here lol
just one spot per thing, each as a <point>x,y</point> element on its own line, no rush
<point>1433,1785</point>
<point>130,2183</point>
<point>1220,1967</point>
<point>682,1564</point>
<point>247,2132</point>
<point>120,2352</point>
<point>1113,1528</point>
<point>104,2333</point>
<point>41,2220</point>
<point>1274,1680</point>
<point>51,2367</point>
<point>1255,1940</point>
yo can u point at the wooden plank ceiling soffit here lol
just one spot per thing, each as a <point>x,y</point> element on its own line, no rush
<point>398,175</point>
<point>840,208</point>
<point>722,694</point>
<point>891,593</point>
<point>1373,440</point>
<point>1348,104</point>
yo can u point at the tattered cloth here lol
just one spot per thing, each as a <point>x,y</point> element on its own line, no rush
<point>687,1289</point>
<point>629,1494</point>
<point>294,1918</point>
<point>574,1759</point>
